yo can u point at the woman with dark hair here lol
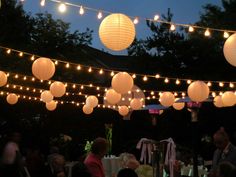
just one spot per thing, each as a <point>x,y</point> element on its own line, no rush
<point>93,160</point>
<point>127,172</point>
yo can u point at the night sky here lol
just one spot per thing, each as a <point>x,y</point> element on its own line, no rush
<point>184,12</point>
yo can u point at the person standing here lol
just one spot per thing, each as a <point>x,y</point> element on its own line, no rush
<point>94,159</point>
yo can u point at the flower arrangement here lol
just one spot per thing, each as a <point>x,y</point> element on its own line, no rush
<point>88,146</point>
<point>108,132</point>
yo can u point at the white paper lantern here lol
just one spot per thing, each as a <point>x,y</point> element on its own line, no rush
<point>117,32</point>
<point>51,106</point>
<point>136,104</point>
<point>112,96</point>
<point>58,89</point>
<point>178,105</point>
<point>167,99</point>
<point>87,109</point>
<point>12,98</point>
<point>228,98</point>
<point>122,82</point>
<point>46,96</point>
<point>218,102</point>
<point>43,68</point>
<point>198,91</point>
<point>3,79</point>
<point>92,101</point>
<point>123,110</point>
<point>230,49</point>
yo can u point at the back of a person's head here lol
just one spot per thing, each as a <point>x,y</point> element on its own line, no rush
<point>80,170</point>
<point>127,172</point>
<point>99,145</point>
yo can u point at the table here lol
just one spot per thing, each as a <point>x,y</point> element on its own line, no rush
<point>112,165</point>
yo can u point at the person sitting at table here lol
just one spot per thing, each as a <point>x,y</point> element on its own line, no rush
<point>93,160</point>
<point>225,152</point>
<point>127,172</point>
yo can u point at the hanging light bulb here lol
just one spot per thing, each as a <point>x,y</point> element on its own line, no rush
<point>99,15</point>
<point>136,21</point>
<point>101,71</point>
<point>134,76</point>
<point>189,81</point>
<point>213,94</point>
<point>78,67</point>
<point>81,10</point>
<point>112,73</point>
<point>156,17</point>
<point>42,3</point>
<point>8,51</point>
<point>90,70</point>
<point>32,58</point>
<point>190,29</point>
<point>166,80</point>
<point>226,34</point>
<point>207,33</point>
<point>67,65</point>
<point>177,82</point>
<point>172,27</point>
<point>221,84</point>
<point>231,85</point>
<point>157,76</point>
<point>209,84</point>
<point>21,54</point>
<point>62,8</point>
<point>145,78</point>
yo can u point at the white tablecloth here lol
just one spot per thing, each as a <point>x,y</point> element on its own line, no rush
<point>111,166</point>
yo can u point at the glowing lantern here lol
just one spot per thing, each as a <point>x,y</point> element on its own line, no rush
<point>117,32</point>
<point>92,101</point>
<point>136,104</point>
<point>12,98</point>
<point>3,78</point>
<point>167,99</point>
<point>58,89</point>
<point>112,96</point>
<point>122,82</point>
<point>51,106</point>
<point>178,105</point>
<point>218,102</point>
<point>46,96</point>
<point>123,110</point>
<point>198,91</point>
<point>43,68</point>
<point>87,109</point>
<point>230,49</point>
<point>228,98</point>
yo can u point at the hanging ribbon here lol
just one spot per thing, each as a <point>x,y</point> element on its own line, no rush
<point>146,149</point>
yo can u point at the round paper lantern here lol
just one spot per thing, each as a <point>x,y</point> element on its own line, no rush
<point>51,106</point>
<point>167,99</point>
<point>136,104</point>
<point>46,96</point>
<point>218,102</point>
<point>123,110</point>
<point>112,96</point>
<point>117,32</point>
<point>43,68</point>
<point>58,89</point>
<point>92,101</point>
<point>12,98</point>
<point>3,78</point>
<point>230,49</point>
<point>87,109</point>
<point>122,82</point>
<point>178,105</point>
<point>228,98</point>
<point>198,91</point>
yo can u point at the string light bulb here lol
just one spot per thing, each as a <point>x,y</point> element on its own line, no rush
<point>157,76</point>
<point>190,29</point>
<point>231,85</point>
<point>42,3</point>
<point>62,7</point>
<point>134,76</point>
<point>21,54</point>
<point>207,33</point>
<point>99,15</point>
<point>226,34</point>
<point>172,27</point>
<point>177,82</point>
<point>145,78</point>
<point>67,65</point>
<point>78,67</point>
<point>8,51</point>
<point>156,17</point>
<point>136,21</point>
<point>189,81</point>
<point>101,71</point>
<point>32,58</point>
<point>90,70</point>
<point>112,73</point>
<point>81,10</point>
<point>221,84</point>
<point>209,84</point>
<point>166,80</point>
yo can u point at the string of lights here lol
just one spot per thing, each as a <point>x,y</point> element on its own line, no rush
<point>156,18</point>
<point>112,72</point>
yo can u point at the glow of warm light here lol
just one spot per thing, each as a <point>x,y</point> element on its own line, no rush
<point>166,80</point>
<point>74,86</point>
<point>152,93</point>
<point>98,88</point>
<point>112,73</point>
<point>78,67</point>
<point>209,84</point>
<point>136,21</point>
<point>175,94</point>
<point>62,8</point>
<point>90,70</point>
<point>156,17</point>
<point>32,58</point>
<point>231,85</point>
<point>213,94</point>
<point>177,82</point>
<point>90,85</point>
<point>99,15</point>
<point>16,76</point>
<point>145,78</point>
<point>129,92</point>
<point>101,71</point>
<point>207,33</point>
<point>190,29</point>
<point>67,65</point>
<point>21,54</point>
<point>221,93</point>
<point>42,3</point>
<point>172,27</point>
<point>56,62</point>
<point>221,84</point>
<point>134,76</point>
<point>33,79</point>
<point>25,78</point>
<point>189,81</point>
<point>157,76</point>
<point>226,35</point>
<point>8,51</point>
<point>183,94</point>
<point>82,87</point>
<point>81,10</point>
